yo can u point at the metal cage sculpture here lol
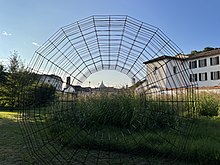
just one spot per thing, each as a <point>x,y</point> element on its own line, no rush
<point>53,127</point>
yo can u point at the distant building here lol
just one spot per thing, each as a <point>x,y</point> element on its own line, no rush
<point>102,86</point>
<point>70,89</point>
<point>53,80</point>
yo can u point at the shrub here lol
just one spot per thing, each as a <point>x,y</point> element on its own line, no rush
<point>38,95</point>
<point>208,105</point>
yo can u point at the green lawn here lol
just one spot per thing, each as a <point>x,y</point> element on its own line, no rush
<point>204,148</point>
<point>12,148</point>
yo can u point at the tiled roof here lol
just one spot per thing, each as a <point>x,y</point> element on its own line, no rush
<point>188,56</point>
<point>205,54</point>
<point>164,57</point>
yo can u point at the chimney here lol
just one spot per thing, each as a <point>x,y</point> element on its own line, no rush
<point>67,82</point>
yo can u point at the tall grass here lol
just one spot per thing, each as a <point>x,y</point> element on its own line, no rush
<point>123,122</point>
<point>208,104</point>
<point>125,110</point>
<point>128,123</point>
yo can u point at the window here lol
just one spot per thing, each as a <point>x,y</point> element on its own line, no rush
<point>203,76</point>
<point>214,60</point>
<point>202,63</point>
<point>192,64</point>
<point>155,70</point>
<point>215,75</point>
<point>193,77</point>
<point>174,69</point>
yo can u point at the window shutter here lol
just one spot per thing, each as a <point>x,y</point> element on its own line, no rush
<point>155,70</point>
<point>200,77</point>
<point>195,77</point>
<point>190,65</point>
<point>206,63</point>
<point>210,61</point>
<point>211,75</point>
<point>206,76</point>
<point>217,60</point>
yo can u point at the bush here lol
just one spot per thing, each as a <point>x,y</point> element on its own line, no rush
<point>38,95</point>
<point>208,105</point>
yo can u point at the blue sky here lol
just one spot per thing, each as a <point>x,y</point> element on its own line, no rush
<point>26,24</point>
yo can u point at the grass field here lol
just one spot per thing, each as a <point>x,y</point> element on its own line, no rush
<point>14,151</point>
<point>205,142</point>
<point>12,148</point>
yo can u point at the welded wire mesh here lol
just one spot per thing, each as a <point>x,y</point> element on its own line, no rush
<point>57,131</point>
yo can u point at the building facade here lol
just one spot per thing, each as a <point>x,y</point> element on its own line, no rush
<point>206,68</point>
<point>173,72</point>
<point>53,80</point>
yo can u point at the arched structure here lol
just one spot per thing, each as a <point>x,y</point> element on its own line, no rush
<point>97,43</point>
<point>139,50</point>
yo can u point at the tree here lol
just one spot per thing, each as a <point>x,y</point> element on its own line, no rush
<point>39,94</point>
<point>16,65</point>
<point>194,52</point>
<point>2,81</point>
<point>2,74</point>
<point>22,88</point>
<point>11,88</point>
<point>14,81</point>
<point>208,49</point>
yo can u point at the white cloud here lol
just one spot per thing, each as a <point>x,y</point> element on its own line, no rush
<point>36,44</point>
<point>4,33</point>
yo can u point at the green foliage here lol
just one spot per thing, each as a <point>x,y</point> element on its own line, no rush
<point>2,81</point>
<point>39,95</point>
<point>208,105</point>
<point>13,150</point>
<point>203,143</point>
<point>194,52</point>
<point>202,139</point>
<point>93,121</point>
<point>124,110</point>
<point>2,74</point>
<point>16,65</point>
<point>12,82</point>
<point>18,86</point>
<point>107,110</point>
<point>111,123</point>
<point>12,88</point>
<point>208,49</point>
